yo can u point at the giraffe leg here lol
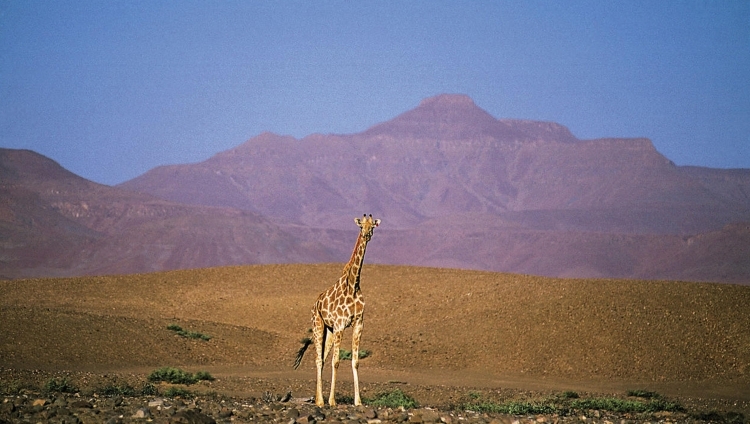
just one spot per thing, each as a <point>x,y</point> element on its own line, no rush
<point>334,365</point>
<point>319,336</point>
<point>328,344</point>
<point>356,335</point>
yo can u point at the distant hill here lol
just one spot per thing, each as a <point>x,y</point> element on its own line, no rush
<point>457,187</point>
<point>454,186</point>
<point>54,223</point>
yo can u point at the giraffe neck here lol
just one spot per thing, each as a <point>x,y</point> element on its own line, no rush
<point>353,268</point>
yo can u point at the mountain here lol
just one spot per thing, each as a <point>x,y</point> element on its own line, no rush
<point>449,157</point>
<point>457,187</point>
<point>54,223</point>
<point>454,186</point>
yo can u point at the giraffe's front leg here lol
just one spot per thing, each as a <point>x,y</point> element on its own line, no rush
<point>334,365</point>
<point>356,335</point>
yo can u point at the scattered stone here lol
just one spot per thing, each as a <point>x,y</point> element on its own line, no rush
<point>81,404</point>
<point>225,412</point>
<point>40,402</point>
<point>156,403</point>
<point>142,413</point>
<point>292,413</point>
<point>191,416</point>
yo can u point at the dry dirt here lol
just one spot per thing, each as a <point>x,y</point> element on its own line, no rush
<point>437,334</point>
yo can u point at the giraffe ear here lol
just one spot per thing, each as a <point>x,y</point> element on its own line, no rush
<point>358,221</point>
<point>377,222</point>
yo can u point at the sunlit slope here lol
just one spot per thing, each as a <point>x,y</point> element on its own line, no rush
<point>416,319</point>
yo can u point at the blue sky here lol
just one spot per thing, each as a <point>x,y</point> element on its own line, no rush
<point>112,89</point>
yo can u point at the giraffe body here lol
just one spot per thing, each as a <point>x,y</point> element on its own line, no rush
<point>336,309</point>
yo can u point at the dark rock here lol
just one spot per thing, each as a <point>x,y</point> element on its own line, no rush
<point>81,404</point>
<point>190,416</point>
<point>292,413</point>
<point>225,412</point>
<point>7,408</point>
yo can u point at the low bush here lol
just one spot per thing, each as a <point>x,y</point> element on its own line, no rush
<point>643,394</point>
<point>393,399</point>
<point>623,405</point>
<point>513,408</point>
<point>567,402</point>
<point>60,385</point>
<point>114,390</point>
<point>346,355</point>
<point>178,376</point>
<point>174,392</point>
<point>149,389</point>
<point>187,334</point>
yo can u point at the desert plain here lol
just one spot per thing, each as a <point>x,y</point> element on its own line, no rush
<point>436,334</point>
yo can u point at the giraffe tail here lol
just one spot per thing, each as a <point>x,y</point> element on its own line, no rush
<point>305,343</point>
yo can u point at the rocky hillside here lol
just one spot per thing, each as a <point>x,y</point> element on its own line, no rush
<point>457,187</point>
<point>53,222</point>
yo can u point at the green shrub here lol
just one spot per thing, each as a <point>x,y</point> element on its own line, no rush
<point>643,394</point>
<point>567,401</point>
<point>178,376</point>
<point>12,387</point>
<point>149,389</point>
<point>121,390</point>
<point>621,405</point>
<point>174,392</point>
<point>204,376</point>
<point>60,385</point>
<point>512,408</point>
<point>394,399</point>
<point>346,355</point>
<point>187,334</point>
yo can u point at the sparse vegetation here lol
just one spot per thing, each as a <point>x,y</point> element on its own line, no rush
<point>60,385</point>
<point>571,401</point>
<point>12,387</point>
<point>178,376</point>
<point>643,394</point>
<point>624,405</point>
<point>512,408</point>
<point>188,334</point>
<point>346,355</point>
<point>149,389</point>
<point>393,399</point>
<point>117,390</point>
<point>174,392</point>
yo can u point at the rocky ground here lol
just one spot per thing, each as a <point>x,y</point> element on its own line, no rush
<point>95,398</point>
<point>63,408</point>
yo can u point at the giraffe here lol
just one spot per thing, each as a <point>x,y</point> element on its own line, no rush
<point>336,309</point>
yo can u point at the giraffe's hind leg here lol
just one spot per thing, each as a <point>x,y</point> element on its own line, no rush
<point>334,365</point>
<point>319,337</point>
<point>328,343</point>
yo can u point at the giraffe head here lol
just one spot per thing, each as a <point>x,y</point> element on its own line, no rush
<point>366,225</point>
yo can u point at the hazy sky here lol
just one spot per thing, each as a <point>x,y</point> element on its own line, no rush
<point>112,89</point>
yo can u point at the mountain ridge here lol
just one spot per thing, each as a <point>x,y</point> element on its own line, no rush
<point>488,194</point>
<point>55,223</point>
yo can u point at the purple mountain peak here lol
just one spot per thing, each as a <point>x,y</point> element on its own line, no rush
<point>448,100</point>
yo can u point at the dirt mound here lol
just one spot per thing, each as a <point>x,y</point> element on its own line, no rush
<point>434,327</point>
